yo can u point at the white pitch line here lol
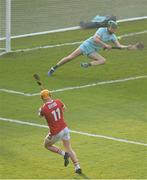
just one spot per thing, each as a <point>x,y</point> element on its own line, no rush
<point>77,87</point>
<point>46,47</point>
<point>14,92</point>
<point>69,44</point>
<point>132,34</point>
<point>76,132</point>
<point>73,43</point>
<point>70,28</point>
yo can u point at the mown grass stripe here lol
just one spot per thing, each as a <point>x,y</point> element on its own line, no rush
<point>76,132</point>
<point>77,87</point>
<point>73,43</point>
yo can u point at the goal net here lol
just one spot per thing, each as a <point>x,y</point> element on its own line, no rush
<point>32,17</point>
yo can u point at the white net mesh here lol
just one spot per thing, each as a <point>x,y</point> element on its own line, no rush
<point>33,16</point>
<point>29,16</point>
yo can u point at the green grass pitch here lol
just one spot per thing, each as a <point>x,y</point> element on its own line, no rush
<point>116,110</point>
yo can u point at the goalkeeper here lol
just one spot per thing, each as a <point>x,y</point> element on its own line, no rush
<point>91,47</point>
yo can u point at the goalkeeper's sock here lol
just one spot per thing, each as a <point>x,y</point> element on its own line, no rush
<point>55,67</point>
<point>85,65</point>
<point>51,71</point>
<point>89,64</point>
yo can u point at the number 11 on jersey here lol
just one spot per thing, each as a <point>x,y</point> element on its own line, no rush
<point>57,115</point>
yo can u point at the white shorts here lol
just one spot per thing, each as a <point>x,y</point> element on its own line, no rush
<point>64,134</point>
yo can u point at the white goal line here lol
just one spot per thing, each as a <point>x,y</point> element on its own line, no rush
<point>76,132</point>
<point>76,87</point>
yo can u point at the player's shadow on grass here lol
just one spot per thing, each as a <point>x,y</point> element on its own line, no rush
<point>83,176</point>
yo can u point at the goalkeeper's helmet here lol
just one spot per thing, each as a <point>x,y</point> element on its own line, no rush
<point>112,24</point>
<point>45,94</point>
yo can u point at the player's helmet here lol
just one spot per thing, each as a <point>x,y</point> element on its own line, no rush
<point>45,94</point>
<point>112,24</point>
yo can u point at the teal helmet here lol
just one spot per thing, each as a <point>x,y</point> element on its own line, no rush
<point>112,24</point>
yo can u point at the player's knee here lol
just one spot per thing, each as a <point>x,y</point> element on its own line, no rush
<point>46,145</point>
<point>102,61</point>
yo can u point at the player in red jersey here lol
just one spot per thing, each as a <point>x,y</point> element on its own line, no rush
<point>52,111</point>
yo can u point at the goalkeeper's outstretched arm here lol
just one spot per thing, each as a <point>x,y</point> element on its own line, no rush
<point>121,46</point>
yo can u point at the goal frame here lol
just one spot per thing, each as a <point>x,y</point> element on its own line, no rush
<point>7,37</point>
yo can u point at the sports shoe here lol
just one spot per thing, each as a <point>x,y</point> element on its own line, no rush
<point>78,171</point>
<point>51,71</point>
<point>66,159</point>
<point>85,65</point>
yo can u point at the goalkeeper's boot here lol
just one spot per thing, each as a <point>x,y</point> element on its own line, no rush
<point>66,159</point>
<point>85,65</point>
<point>51,71</point>
<point>78,171</point>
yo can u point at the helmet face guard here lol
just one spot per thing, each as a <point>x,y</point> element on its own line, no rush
<point>112,24</point>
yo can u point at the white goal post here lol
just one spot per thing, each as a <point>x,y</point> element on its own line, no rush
<point>8,25</point>
<point>5,33</point>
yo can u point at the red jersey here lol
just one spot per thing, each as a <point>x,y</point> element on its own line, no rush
<point>53,113</point>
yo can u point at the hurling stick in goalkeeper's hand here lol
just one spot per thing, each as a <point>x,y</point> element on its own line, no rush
<point>38,80</point>
<point>138,45</point>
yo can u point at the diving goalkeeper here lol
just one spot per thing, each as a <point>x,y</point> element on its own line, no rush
<point>91,47</point>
